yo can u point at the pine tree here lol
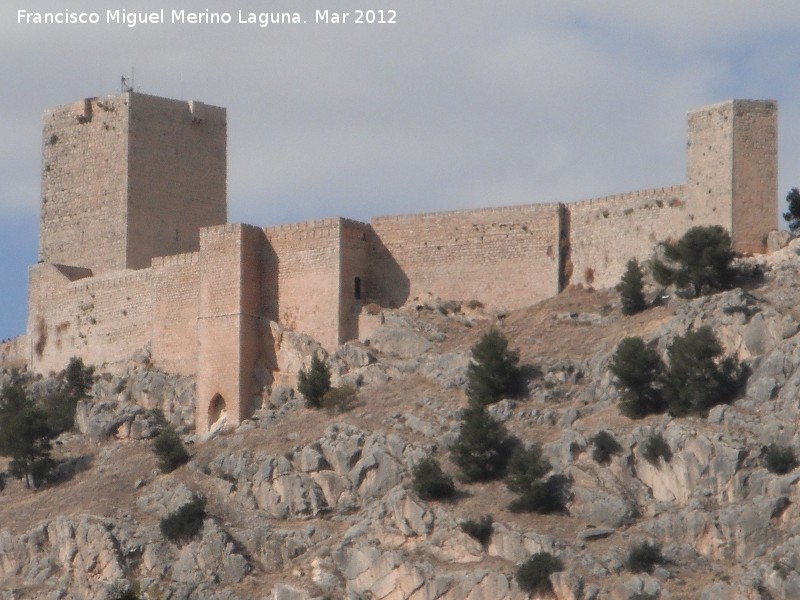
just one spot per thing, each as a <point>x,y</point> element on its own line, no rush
<point>792,216</point>
<point>315,382</point>
<point>483,446</point>
<point>702,261</point>
<point>24,434</point>
<point>430,482</point>
<point>639,371</point>
<point>25,437</point>
<point>631,289</point>
<point>493,373</point>
<point>697,379</point>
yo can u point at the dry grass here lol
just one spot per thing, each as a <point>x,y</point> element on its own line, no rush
<point>544,333</point>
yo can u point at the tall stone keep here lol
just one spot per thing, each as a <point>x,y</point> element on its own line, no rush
<point>129,177</point>
<point>732,169</point>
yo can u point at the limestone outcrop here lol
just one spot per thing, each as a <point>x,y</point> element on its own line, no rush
<point>305,504</point>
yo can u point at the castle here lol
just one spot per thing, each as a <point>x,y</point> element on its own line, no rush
<point>135,250</point>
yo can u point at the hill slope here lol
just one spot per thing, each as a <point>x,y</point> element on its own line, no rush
<point>302,503</point>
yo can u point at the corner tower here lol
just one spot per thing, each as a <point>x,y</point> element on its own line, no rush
<point>732,169</point>
<point>129,177</point>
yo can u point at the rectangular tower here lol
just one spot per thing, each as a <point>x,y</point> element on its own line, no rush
<point>129,177</point>
<point>732,169</point>
<point>228,344</point>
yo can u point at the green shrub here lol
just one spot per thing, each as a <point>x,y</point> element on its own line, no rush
<point>638,370</point>
<point>59,407</point>
<point>315,382</point>
<point>430,482</point>
<point>644,557</point>
<point>186,522</point>
<point>339,400</point>
<point>656,447</point>
<point>480,530</point>
<point>604,447</point>
<point>631,289</point>
<point>544,497</point>
<point>701,261</point>
<point>483,447</point>
<point>533,576</point>
<point>644,596</point>
<point>779,459</point>
<point>493,373</point>
<point>697,378</point>
<point>132,592</point>
<point>526,467</point>
<point>170,450</point>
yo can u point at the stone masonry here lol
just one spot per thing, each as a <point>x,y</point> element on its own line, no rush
<point>135,251</point>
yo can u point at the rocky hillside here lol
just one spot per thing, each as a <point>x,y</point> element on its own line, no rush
<point>302,503</point>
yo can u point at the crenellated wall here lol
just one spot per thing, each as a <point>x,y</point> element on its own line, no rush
<point>507,257</point>
<point>135,252</point>
<point>607,232</point>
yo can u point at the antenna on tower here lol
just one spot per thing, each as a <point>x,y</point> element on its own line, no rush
<point>127,83</point>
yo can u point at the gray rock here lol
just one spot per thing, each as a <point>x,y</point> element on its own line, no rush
<point>354,355</point>
<point>503,410</point>
<point>778,239</point>
<point>595,533</point>
<point>280,395</point>
<point>598,506</point>
<point>398,340</point>
<point>288,592</point>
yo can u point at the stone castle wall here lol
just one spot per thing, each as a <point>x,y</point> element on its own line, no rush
<point>85,185</point>
<point>228,344</point>
<point>103,319</point>
<point>128,178</point>
<point>14,353</point>
<point>732,167</point>
<point>151,263</point>
<point>176,176</point>
<point>175,289</point>
<point>301,278</point>
<point>506,257</point>
<point>607,232</point>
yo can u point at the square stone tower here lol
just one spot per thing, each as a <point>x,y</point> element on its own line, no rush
<point>732,169</point>
<point>130,177</point>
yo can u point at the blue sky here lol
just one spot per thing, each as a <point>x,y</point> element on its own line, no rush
<point>458,105</point>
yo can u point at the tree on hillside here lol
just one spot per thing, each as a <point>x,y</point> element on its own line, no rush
<point>25,438</point>
<point>701,261</point>
<point>24,433</point>
<point>493,373</point>
<point>60,405</point>
<point>792,216</point>
<point>79,378</point>
<point>698,378</point>
<point>12,395</point>
<point>631,289</point>
<point>169,450</point>
<point>314,382</point>
<point>639,371</point>
<point>483,446</point>
<point>526,470</point>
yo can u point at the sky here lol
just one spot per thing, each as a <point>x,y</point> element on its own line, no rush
<point>454,105</point>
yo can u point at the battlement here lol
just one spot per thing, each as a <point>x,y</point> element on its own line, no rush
<point>624,199</point>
